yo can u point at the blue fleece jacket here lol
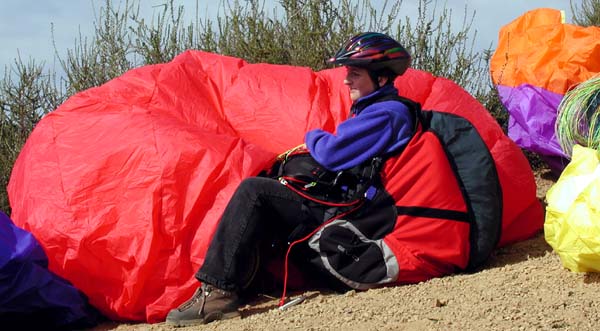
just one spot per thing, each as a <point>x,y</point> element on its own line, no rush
<point>375,129</point>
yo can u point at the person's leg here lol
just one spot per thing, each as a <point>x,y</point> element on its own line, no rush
<point>260,208</point>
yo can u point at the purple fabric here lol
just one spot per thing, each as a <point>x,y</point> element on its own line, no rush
<point>380,127</point>
<point>31,296</point>
<point>532,117</point>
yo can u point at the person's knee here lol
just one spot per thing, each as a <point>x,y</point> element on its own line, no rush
<point>255,184</point>
<point>250,188</point>
<point>251,181</point>
<point>259,190</point>
<point>248,185</point>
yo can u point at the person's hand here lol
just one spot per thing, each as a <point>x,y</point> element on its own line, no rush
<point>298,149</point>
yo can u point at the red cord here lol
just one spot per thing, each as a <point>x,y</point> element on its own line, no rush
<point>323,202</point>
<point>285,273</point>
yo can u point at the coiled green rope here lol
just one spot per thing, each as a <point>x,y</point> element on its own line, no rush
<point>578,118</point>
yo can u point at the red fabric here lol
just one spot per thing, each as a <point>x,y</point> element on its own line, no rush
<point>418,179</point>
<point>123,184</point>
<point>523,215</point>
<point>426,247</point>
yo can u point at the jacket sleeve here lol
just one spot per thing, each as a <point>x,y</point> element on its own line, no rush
<point>380,128</point>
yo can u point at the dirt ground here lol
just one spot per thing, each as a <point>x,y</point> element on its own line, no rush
<point>522,287</point>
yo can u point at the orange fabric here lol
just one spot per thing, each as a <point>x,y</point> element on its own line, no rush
<point>539,49</point>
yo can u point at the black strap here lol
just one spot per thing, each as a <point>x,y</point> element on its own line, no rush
<point>433,213</point>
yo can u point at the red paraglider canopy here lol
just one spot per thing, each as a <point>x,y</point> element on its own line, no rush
<point>123,184</point>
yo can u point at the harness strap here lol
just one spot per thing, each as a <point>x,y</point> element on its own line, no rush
<point>287,254</point>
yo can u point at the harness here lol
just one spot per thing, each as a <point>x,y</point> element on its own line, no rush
<point>301,173</point>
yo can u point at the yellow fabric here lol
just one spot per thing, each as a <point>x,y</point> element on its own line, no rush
<point>572,225</point>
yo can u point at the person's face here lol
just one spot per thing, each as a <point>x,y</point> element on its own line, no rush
<point>359,82</point>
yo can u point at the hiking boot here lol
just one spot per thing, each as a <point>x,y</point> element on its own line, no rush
<point>206,305</point>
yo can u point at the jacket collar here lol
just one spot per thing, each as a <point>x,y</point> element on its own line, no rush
<point>362,102</point>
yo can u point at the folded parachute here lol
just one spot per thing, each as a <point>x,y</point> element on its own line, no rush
<point>124,184</point>
<point>572,225</point>
<point>538,59</point>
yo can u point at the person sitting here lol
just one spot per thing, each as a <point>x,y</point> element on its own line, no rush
<point>263,210</point>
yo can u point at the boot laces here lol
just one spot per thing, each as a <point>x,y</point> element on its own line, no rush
<point>199,295</point>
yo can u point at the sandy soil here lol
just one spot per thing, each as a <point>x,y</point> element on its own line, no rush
<point>522,287</point>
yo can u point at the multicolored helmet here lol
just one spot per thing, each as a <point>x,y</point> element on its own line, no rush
<point>373,51</point>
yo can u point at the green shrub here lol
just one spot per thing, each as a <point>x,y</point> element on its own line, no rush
<point>587,13</point>
<point>26,94</point>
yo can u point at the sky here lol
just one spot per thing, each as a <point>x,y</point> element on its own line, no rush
<point>26,25</point>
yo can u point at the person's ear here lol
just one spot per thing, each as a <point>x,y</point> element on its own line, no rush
<point>382,80</point>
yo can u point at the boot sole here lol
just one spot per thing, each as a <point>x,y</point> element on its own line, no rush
<point>216,316</point>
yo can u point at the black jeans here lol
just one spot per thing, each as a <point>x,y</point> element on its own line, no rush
<point>261,209</point>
